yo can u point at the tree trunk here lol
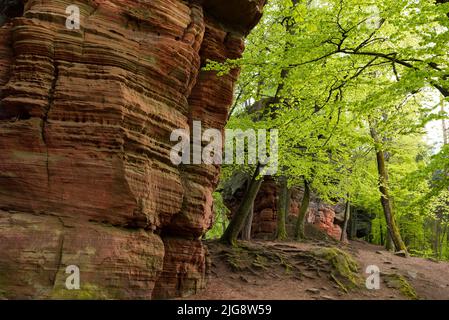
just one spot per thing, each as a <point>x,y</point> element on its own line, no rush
<point>246,233</point>
<point>385,200</point>
<point>301,222</point>
<point>239,218</point>
<point>344,231</point>
<point>388,241</point>
<point>282,210</point>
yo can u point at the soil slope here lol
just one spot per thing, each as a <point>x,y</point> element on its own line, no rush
<point>242,275</point>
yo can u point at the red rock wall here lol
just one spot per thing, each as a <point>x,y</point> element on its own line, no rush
<point>324,217</point>
<point>85,121</point>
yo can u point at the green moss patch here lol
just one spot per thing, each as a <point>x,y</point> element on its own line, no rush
<point>398,282</point>
<point>86,292</point>
<point>344,271</point>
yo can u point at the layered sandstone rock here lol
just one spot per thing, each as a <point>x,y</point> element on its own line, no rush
<point>85,123</point>
<point>325,218</point>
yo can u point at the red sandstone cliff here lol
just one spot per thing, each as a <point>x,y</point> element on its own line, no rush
<point>85,121</point>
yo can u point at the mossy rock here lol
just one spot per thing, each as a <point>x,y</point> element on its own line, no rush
<point>397,281</point>
<point>86,292</point>
<point>345,270</point>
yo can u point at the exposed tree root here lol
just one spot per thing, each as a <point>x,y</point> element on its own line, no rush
<point>283,260</point>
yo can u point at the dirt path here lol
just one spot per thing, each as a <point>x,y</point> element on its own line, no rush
<point>429,279</point>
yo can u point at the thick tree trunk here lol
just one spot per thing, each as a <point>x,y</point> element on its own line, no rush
<point>282,209</point>
<point>388,242</point>
<point>385,200</point>
<point>246,233</point>
<point>386,205</point>
<point>301,222</point>
<point>344,231</point>
<point>239,218</point>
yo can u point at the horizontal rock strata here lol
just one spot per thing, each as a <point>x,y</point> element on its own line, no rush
<point>85,123</point>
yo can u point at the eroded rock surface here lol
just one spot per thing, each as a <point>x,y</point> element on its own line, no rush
<point>85,123</point>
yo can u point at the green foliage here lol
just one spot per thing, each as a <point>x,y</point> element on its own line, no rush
<point>325,73</point>
<point>221,218</point>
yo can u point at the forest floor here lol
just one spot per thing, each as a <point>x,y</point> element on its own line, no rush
<point>318,270</point>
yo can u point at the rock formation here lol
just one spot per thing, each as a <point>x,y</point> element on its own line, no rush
<point>361,223</point>
<point>326,218</point>
<point>323,217</point>
<point>85,123</point>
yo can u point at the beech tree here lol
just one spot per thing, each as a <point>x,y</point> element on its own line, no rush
<point>346,83</point>
<point>239,218</point>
